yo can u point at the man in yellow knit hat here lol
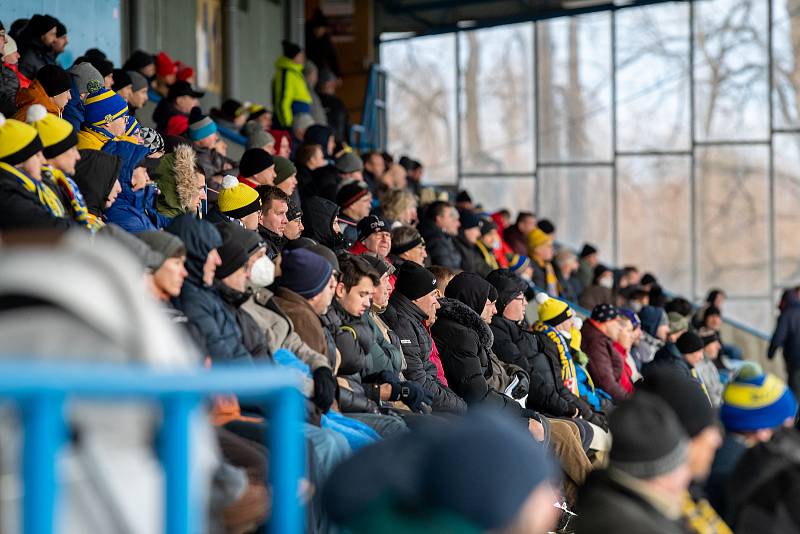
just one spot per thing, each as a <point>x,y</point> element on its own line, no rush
<point>540,250</point>
<point>239,202</point>
<point>25,202</point>
<point>60,140</point>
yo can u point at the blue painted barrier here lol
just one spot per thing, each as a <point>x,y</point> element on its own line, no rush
<point>41,388</point>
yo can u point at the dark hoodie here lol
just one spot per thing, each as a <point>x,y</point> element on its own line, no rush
<point>787,331</point>
<point>325,180</point>
<point>202,304</point>
<point>95,174</point>
<point>318,218</point>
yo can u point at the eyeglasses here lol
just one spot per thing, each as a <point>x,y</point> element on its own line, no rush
<point>520,298</point>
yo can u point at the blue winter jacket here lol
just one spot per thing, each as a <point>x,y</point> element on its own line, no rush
<point>74,110</point>
<point>201,304</point>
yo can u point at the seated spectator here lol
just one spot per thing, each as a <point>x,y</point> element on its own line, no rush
<point>256,168</point>
<point>139,96</point>
<point>321,223</point>
<point>390,358</point>
<point>231,114</point>
<point>81,75</point>
<point>629,276</point>
<point>283,141</point>
<point>623,344</point>
<point>355,202</point>
<point>238,203</point>
<point>487,246</point>
<point>407,245</point>
<point>465,243</point>
<point>294,224</point>
<point>599,399</point>
<point>373,236</point>
<point>707,369</point>
<point>285,176</point>
<point>36,44</point>
<point>399,207</point>
<point>25,201</point>
<point>412,305</point>
<point>11,79</point>
<point>374,167</point>
<point>440,226</point>
<point>123,85</point>
<point>540,251</point>
<point>290,94</point>
<point>655,330</point>
<point>605,363</point>
<point>308,159</point>
<point>647,476</point>
<point>180,99</point>
<point>566,268</point>
<point>203,135</point>
<point>181,184</point>
<point>516,235</point>
<point>258,137</point>
<point>273,220</point>
<point>50,87</point>
<point>589,259</point>
<point>754,407</point>
<point>96,175</point>
<point>601,289</point>
<point>698,419</point>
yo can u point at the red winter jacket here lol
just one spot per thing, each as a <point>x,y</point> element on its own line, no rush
<point>605,365</point>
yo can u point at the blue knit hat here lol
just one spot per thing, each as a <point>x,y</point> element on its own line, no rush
<point>200,126</point>
<point>755,400</point>
<point>103,106</point>
<point>304,272</point>
<point>519,263</point>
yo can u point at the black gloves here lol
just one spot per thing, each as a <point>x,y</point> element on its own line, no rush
<point>521,389</point>
<point>413,396</point>
<point>324,388</point>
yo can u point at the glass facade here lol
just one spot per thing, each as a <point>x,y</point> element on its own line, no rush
<point>667,135</point>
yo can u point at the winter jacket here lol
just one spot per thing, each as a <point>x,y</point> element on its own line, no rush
<point>290,94</point>
<point>279,329</point>
<point>133,210</point>
<point>22,205</point>
<point>544,277</point>
<point>202,304</point>
<point>787,335</point>
<point>465,341</point>
<point>514,345</point>
<point>669,356</point>
<point>594,295</point>
<point>719,484</point>
<point>442,249</point>
<point>163,112</point>
<point>176,182</point>
<point>605,365</point>
<point>471,261</point>
<point>570,288</point>
<point>9,86</point>
<point>253,338</point>
<point>408,322</point>
<point>608,505</point>
<point>763,487</point>
<point>319,214</point>
<point>516,240</point>
<point>390,356</point>
<point>34,94</point>
<point>274,242</point>
<point>33,56</point>
<point>74,112</point>
<point>95,174</point>
<point>349,227</point>
<point>306,322</point>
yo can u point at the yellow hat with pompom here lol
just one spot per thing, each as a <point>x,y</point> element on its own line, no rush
<point>57,135</point>
<point>18,141</point>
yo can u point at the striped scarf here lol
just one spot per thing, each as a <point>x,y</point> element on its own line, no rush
<point>46,196</point>
<point>568,374</point>
<point>78,206</point>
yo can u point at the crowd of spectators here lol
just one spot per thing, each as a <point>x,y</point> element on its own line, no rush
<point>463,373</point>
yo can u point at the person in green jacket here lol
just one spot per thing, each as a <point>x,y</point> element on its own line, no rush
<point>180,182</point>
<point>290,94</point>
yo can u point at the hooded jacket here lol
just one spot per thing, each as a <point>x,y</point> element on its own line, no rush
<point>95,174</point>
<point>605,364</point>
<point>290,94</point>
<point>318,218</point>
<point>133,210</point>
<point>176,182</point>
<point>202,304</point>
<point>787,332</point>
<point>407,321</point>
<point>465,342</point>
<point>74,112</point>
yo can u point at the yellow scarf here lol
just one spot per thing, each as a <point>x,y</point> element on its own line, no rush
<point>46,196</point>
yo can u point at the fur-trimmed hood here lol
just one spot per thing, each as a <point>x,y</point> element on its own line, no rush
<point>462,314</point>
<point>176,181</point>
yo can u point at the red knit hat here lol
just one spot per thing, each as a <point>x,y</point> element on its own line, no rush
<point>177,125</point>
<point>184,71</point>
<point>164,65</point>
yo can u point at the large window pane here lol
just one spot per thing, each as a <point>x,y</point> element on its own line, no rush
<point>758,314</point>
<point>513,193</point>
<point>654,229</point>
<point>421,102</point>
<point>732,234</point>
<point>731,80</point>
<point>787,209</point>
<point>786,62</point>
<point>578,201</point>
<point>653,78</point>
<point>496,115</point>
<point>574,61</point>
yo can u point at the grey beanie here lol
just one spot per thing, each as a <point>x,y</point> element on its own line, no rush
<point>349,162</point>
<point>138,81</point>
<point>648,440</point>
<point>257,136</point>
<point>164,243</point>
<point>302,121</point>
<point>82,74</point>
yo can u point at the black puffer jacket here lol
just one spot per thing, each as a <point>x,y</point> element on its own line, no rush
<point>406,320</point>
<point>464,341</point>
<point>9,85</point>
<point>441,247</point>
<point>19,208</point>
<point>33,56</point>
<point>516,346</point>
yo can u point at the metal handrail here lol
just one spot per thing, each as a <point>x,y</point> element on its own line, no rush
<point>41,388</point>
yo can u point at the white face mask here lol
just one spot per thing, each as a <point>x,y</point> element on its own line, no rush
<point>606,281</point>
<point>262,274</point>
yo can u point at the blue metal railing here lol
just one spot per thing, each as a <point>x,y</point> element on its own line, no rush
<point>371,133</point>
<point>40,390</point>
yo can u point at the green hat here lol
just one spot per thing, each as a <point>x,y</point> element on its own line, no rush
<point>284,169</point>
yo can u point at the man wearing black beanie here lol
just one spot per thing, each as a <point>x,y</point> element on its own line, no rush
<point>680,356</point>
<point>256,168</point>
<point>51,80</point>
